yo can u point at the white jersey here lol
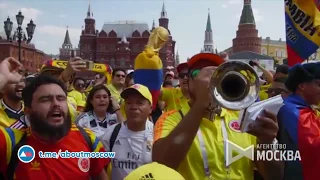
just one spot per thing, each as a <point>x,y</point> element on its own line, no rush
<point>23,122</point>
<point>89,120</point>
<point>133,149</point>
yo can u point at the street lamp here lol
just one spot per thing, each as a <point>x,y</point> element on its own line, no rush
<point>19,34</point>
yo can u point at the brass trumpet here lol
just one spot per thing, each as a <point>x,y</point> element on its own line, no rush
<point>234,85</point>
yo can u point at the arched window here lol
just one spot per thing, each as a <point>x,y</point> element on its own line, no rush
<point>278,53</point>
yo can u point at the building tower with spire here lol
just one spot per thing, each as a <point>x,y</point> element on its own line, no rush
<point>177,59</point>
<point>208,40</point>
<point>247,38</point>
<point>167,53</point>
<point>163,20</point>
<point>153,25</point>
<point>88,36</point>
<point>65,51</point>
<point>118,43</point>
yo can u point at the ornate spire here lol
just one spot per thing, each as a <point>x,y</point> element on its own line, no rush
<point>177,56</point>
<point>67,43</point>
<point>89,11</point>
<point>208,28</point>
<point>247,13</point>
<point>163,11</point>
<point>153,25</point>
<point>208,39</point>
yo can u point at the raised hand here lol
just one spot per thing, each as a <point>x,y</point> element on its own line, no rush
<point>202,85</point>
<point>10,69</point>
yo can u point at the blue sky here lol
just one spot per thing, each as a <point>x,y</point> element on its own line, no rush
<point>187,19</point>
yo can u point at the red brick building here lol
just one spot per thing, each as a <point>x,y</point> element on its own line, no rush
<point>247,38</point>
<point>31,58</point>
<point>118,43</point>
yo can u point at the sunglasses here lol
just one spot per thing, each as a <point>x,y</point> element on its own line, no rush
<point>119,75</point>
<point>182,75</point>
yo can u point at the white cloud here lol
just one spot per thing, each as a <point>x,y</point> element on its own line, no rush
<point>3,5</point>
<point>62,16</point>
<point>60,32</point>
<point>11,10</point>
<point>233,2</point>
<point>224,6</point>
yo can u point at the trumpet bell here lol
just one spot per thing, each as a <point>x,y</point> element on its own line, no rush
<point>235,85</point>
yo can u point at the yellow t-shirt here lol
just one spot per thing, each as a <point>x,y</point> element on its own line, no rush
<point>7,120</point>
<point>263,92</point>
<point>73,112</point>
<point>191,168</point>
<point>114,93</point>
<point>173,98</point>
<point>80,98</point>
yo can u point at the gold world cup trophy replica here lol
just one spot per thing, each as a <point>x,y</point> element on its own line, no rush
<point>148,65</point>
<point>149,57</point>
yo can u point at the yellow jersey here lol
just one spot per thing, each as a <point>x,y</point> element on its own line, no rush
<point>192,167</point>
<point>9,116</point>
<point>263,94</point>
<point>173,98</point>
<point>78,97</point>
<point>114,93</point>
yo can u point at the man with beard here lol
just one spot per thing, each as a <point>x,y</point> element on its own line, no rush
<point>51,130</point>
<point>11,106</point>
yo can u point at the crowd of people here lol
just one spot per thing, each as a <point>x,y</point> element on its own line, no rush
<point>55,110</point>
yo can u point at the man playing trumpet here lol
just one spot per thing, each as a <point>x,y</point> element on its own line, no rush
<point>190,142</point>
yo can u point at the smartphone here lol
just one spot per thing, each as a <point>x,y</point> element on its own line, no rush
<point>89,65</point>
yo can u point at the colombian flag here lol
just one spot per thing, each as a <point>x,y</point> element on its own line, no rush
<point>299,129</point>
<point>302,19</point>
<point>148,72</point>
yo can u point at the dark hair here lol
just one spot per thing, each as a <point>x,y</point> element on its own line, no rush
<point>284,69</point>
<point>93,91</point>
<point>78,78</point>
<point>280,79</point>
<point>116,70</point>
<point>167,83</point>
<point>30,89</point>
